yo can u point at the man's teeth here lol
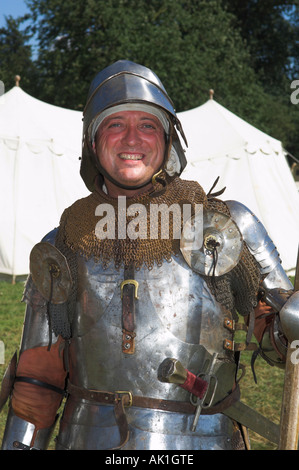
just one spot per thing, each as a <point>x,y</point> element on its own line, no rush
<point>129,156</point>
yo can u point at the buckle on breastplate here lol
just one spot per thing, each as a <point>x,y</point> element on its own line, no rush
<point>129,394</point>
<point>129,281</point>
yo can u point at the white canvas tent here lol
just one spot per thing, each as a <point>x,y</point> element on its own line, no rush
<point>40,146</point>
<point>252,166</point>
<point>39,173</point>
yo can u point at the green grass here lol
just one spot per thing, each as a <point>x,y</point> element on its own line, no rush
<point>11,323</point>
<point>264,397</point>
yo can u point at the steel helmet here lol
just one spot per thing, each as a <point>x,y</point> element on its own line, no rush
<point>122,83</point>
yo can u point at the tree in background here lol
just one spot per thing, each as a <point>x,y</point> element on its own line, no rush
<point>270,29</point>
<point>15,56</point>
<point>191,45</point>
<point>243,50</point>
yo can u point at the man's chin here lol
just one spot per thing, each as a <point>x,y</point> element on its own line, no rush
<point>129,187</point>
<point>134,179</point>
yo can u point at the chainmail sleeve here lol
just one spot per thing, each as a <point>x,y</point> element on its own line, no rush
<point>237,290</point>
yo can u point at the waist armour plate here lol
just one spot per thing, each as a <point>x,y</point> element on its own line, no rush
<point>177,317</point>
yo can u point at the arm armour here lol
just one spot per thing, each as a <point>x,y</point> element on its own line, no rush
<point>39,383</point>
<point>278,291</point>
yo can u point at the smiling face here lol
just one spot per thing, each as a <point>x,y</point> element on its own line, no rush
<point>130,146</point>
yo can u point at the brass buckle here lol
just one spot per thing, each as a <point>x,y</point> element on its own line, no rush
<point>124,392</point>
<point>129,281</point>
<point>156,176</point>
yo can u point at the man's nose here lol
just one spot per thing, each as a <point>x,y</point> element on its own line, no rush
<point>131,136</point>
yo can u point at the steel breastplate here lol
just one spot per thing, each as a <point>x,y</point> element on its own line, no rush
<point>176,316</point>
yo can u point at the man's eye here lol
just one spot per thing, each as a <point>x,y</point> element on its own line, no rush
<point>148,127</point>
<point>114,124</point>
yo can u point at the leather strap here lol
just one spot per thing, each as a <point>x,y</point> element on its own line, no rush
<point>113,398</point>
<point>128,311</point>
<point>39,383</point>
<point>121,399</point>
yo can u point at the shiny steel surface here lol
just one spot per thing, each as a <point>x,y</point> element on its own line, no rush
<point>19,430</point>
<point>176,316</point>
<point>125,81</point>
<point>277,278</point>
<point>289,317</point>
<point>200,233</point>
<point>266,254</point>
<point>255,236</point>
<point>50,272</point>
<point>36,328</point>
<point>120,83</point>
<point>86,426</point>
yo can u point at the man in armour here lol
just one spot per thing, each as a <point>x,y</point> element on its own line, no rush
<point>130,321</point>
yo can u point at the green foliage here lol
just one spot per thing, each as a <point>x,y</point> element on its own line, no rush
<point>270,30</point>
<point>246,51</point>
<point>15,56</point>
<point>190,45</point>
<point>11,318</point>
<point>265,396</point>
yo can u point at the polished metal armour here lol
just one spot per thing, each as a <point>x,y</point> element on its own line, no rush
<point>177,317</point>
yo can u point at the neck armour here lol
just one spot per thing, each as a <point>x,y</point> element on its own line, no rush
<point>78,224</point>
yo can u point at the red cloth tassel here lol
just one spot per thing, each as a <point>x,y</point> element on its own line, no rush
<point>195,385</point>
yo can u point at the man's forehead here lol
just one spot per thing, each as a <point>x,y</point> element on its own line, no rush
<point>152,111</point>
<point>124,115</point>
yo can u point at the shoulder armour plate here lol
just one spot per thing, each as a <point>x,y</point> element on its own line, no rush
<point>51,236</point>
<point>255,236</point>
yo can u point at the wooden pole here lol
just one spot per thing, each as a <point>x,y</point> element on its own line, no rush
<point>289,418</point>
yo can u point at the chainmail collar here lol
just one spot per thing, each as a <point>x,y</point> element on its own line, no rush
<point>78,225</point>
